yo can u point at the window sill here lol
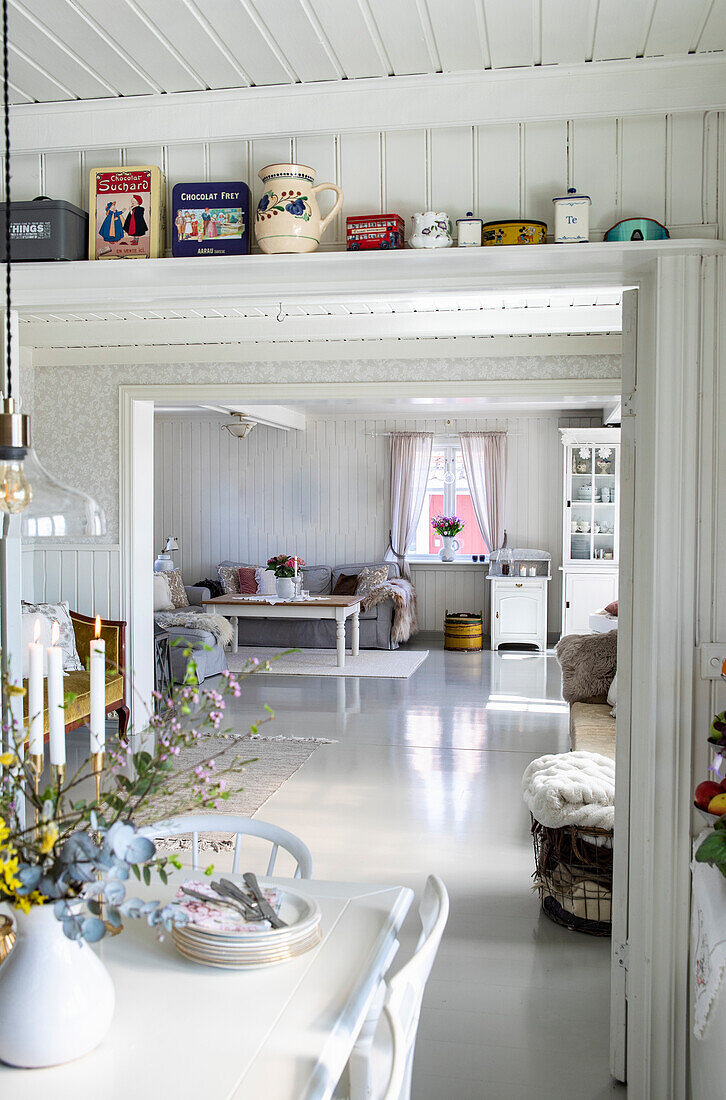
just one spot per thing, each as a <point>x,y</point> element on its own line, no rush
<point>436,563</point>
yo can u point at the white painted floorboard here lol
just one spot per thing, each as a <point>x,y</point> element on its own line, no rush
<point>425,776</point>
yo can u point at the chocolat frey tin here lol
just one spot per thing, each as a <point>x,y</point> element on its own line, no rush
<point>210,219</point>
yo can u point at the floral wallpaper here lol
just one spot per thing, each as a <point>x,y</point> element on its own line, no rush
<point>76,409</point>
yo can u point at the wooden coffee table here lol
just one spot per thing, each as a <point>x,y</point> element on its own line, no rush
<point>339,608</point>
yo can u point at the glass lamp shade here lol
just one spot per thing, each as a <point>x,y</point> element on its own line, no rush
<point>55,510</point>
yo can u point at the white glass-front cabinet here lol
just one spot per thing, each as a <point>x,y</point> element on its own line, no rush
<point>590,524</point>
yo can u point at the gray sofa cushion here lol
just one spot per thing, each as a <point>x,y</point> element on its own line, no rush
<point>316,578</point>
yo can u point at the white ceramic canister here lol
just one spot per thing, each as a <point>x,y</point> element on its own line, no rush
<point>288,216</point>
<point>572,218</point>
<point>431,230</point>
<point>468,231</point>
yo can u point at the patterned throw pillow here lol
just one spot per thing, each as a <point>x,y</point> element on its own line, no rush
<point>176,586</point>
<point>247,581</point>
<point>229,576</point>
<point>162,593</point>
<point>368,579</point>
<point>346,584</point>
<point>67,642</point>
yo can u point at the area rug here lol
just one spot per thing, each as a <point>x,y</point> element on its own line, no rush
<point>396,663</point>
<point>274,760</point>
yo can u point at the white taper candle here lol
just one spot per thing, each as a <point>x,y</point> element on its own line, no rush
<point>98,691</point>
<point>56,700</point>
<point>35,694</point>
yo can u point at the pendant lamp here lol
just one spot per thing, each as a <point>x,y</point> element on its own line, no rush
<point>48,509</point>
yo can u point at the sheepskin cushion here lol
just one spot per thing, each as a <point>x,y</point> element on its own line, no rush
<point>588,663</point>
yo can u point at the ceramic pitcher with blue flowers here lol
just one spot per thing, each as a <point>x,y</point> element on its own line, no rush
<point>288,216</point>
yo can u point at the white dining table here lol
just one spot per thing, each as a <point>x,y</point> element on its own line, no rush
<point>185,1030</point>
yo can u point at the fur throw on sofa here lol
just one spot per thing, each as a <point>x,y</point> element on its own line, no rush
<point>588,663</point>
<point>405,616</point>
<point>216,625</point>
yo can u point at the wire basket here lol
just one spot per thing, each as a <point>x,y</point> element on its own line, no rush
<point>574,876</point>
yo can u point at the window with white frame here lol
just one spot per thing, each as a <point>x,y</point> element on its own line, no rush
<point>447,493</point>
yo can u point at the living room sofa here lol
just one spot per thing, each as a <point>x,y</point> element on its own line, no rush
<point>375,625</point>
<point>207,653</point>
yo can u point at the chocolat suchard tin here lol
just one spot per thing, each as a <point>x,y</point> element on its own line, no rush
<point>126,213</point>
<point>210,219</point>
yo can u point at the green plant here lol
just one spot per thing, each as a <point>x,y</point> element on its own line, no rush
<point>713,849</point>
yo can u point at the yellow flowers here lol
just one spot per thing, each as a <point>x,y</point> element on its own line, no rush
<point>48,837</point>
<point>8,759</point>
<point>25,904</point>
<point>8,867</point>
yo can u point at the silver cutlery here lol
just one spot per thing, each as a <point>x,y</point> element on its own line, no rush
<point>265,908</point>
<point>217,901</point>
<point>244,906</point>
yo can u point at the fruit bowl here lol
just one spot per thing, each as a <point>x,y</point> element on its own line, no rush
<point>710,819</point>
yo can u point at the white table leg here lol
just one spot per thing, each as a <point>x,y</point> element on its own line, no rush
<point>340,635</point>
<point>235,636</point>
<point>355,633</point>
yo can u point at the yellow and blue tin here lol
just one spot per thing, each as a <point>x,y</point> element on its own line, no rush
<point>514,232</point>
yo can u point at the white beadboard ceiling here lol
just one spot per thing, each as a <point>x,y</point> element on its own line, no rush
<point>92,49</point>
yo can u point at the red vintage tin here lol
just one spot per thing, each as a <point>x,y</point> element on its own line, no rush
<point>365,231</point>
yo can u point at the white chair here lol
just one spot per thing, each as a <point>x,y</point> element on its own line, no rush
<point>241,826</point>
<point>381,1064</point>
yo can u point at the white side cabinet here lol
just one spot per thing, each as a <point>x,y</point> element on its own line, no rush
<point>584,593</point>
<point>519,611</point>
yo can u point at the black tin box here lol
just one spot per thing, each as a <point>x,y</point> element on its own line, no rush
<point>210,219</point>
<point>45,229</point>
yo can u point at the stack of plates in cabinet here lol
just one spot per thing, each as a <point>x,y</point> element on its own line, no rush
<point>251,946</point>
<point>580,546</point>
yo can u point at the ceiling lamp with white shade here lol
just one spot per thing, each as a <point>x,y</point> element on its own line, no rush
<point>241,425</point>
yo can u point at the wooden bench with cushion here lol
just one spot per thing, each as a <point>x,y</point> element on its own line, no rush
<point>592,728</point>
<point>78,711</point>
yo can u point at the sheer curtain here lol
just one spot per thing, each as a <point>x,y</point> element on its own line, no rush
<point>485,462</point>
<point>410,461</point>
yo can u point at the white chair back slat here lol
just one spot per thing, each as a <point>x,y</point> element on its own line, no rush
<point>406,988</point>
<point>197,824</point>
<point>273,857</point>
<point>237,854</point>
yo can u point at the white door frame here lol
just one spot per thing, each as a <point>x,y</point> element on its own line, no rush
<point>660,541</point>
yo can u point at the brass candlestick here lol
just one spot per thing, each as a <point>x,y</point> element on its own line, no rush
<point>58,775</point>
<point>36,764</point>
<point>98,759</point>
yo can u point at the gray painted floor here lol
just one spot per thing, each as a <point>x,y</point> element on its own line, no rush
<point>425,776</point>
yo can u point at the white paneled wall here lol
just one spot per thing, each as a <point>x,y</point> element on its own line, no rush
<point>87,577</point>
<point>662,166</point>
<point>323,493</point>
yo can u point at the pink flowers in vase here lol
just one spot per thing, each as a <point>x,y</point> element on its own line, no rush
<point>447,526</point>
<point>285,566</point>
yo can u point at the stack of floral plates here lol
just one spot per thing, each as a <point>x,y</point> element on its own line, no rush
<point>216,936</point>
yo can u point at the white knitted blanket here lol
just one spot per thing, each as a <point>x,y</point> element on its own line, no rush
<point>571,788</point>
<point>191,620</point>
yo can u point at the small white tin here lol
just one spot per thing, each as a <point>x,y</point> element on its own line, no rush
<point>468,231</point>
<point>572,218</point>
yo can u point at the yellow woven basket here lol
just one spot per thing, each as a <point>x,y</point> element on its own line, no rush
<point>462,631</point>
